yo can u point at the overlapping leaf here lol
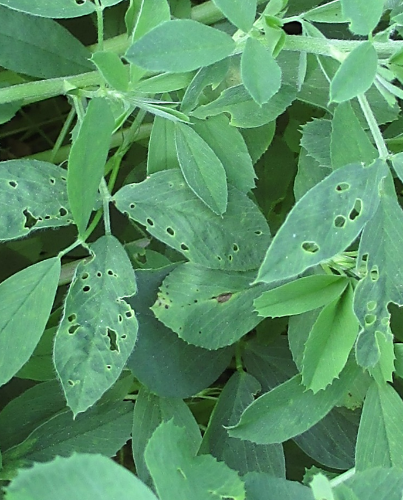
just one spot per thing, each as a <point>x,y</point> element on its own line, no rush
<point>161,148</point>
<point>363,14</point>
<point>54,9</point>
<point>98,329</point>
<point>241,13</point>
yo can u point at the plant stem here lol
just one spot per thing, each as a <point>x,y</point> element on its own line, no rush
<point>62,135</point>
<point>373,126</point>
<point>100,25</point>
<point>106,197</point>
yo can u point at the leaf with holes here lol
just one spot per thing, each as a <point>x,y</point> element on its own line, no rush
<point>98,329</point>
<point>173,214</point>
<point>383,265</point>
<point>56,9</point>
<point>35,195</point>
<point>209,308</point>
<point>300,296</point>
<point>180,45</point>
<point>330,342</point>
<point>201,168</point>
<point>325,221</point>
<point>179,474</point>
<point>87,160</point>
<point>26,299</point>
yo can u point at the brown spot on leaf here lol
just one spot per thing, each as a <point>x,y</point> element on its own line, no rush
<point>224,297</point>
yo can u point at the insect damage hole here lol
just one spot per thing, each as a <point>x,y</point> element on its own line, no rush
<point>310,247</point>
<point>184,247</point>
<point>342,186</point>
<point>150,222</point>
<point>13,184</point>
<point>72,329</point>
<point>369,319</point>
<point>30,221</point>
<point>356,210</point>
<point>170,231</point>
<point>62,212</point>
<point>374,274</point>
<point>113,345</point>
<point>339,221</point>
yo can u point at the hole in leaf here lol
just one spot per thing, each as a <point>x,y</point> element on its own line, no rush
<point>80,2</point>
<point>123,337</point>
<point>72,329</point>
<point>170,231</point>
<point>129,314</point>
<point>84,276</point>
<point>356,211</point>
<point>63,178</point>
<point>150,222</point>
<point>62,212</point>
<point>71,383</point>
<point>86,288</point>
<point>108,367</point>
<point>30,221</point>
<point>113,346</point>
<point>374,274</point>
<point>219,257</point>
<point>230,257</point>
<point>166,306</point>
<point>371,305</point>
<point>171,184</point>
<point>52,180</point>
<point>235,247</point>
<point>13,184</point>
<point>111,273</point>
<point>132,205</point>
<point>200,332</point>
<point>195,301</point>
<point>339,221</point>
<point>184,247</point>
<point>120,318</point>
<point>99,274</point>
<point>310,247</point>
<point>72,318</point>
<point>258,233</point>
<point>47,217</point>
<point>369,319</point>
<point>343,186</point>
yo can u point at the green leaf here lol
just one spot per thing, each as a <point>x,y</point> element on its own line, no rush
<point>229,146</point>
<point>209,308</point>
<point>87,160</point>
<point>31,45</point>
<point>54,9</point>
<point>380,436</point>
<point>352,147</point>
<point>348,199</point>
<point>164,82</point>
<point>289,409</point>
<point>316,141</point>
<point>241,13</point>
<point>243,109</point>
<point>376,484</point>
<point>179,475</point>
<point>176,369</point>
<point>300,296</point>
<point>261,75</point>
<point>26,299</point>
<point>310,173</point>
<point>364,15</point>
<point>328,13</point>
<point>98,329</point>
<point>149,15</point>
<point>397,162</point>
<point>201,168</point>
<point>149,412</point>
<point>180,45</point>
<point>258,139</point>
<point>238,455</point>
<point>321,488</point>
<point>382,264</point>
<point>40,365</point>
<point>114,72</point>
<point>161,148</point>
<point>356,73</point>
<point>261,485</point>
<point>35,195</point>
<point>330,342</point>
<point>68,478</point>
<point>170,211</point>
<point>383,371</point>
<point>103,429</point>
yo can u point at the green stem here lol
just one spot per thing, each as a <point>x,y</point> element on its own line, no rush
<point>62,135</point>
<point>373,126</point>
<point>100,25</point>
<point>106,197</point>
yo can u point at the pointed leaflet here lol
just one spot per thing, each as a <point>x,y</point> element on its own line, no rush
<point>55,9</point>
<point>380,253</point>
<point>363,14</point>
<point>356,73</point>
<point>261,75</point>
<point>289,409</point>
<point>300,296</point>
<point>239,455</point>
<point>87,160</point>
<point>173,214</point>
<point>230,147</point>
<point>148,16</point>
<point>65,478</point>
<point>381,420</point>
<point>33,195</point>
<point>352,147</point>
<point>241,13</point>
<point>330,342</point>
<point>209,308</point>
<point>26,299</point>
<point>31,45</point>
<point>98,329</point>
<point>179,475</point>
<point>324,221</point>
<point>201,168</point>
<point>149,411</point>
<point>180,45</point>
<point>161,148</point>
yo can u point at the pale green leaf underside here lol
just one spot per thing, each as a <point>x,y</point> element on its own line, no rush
<point>26,299</point>
<point>300,296</point>
<point>324,221</point>
<point>33,195</point>
<point>289,409</point>
<point>201,168</point>
<point>161,148</point>
<point>259,485</point>
<point>31,45</point>
<point>180,45</point>
<point>98,329</point>
<point>171,212</point>
<point>54,9</point>
<point>179,475</point>
<point>68,478</point>
<point>241,13</point>
<point>209,308</point>
<point>114,72</point>
<point>377,483</point>
<point>148,16</point>
<point>363,14</point>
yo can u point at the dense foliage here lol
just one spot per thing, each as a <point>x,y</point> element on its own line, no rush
<point>211,307</point>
